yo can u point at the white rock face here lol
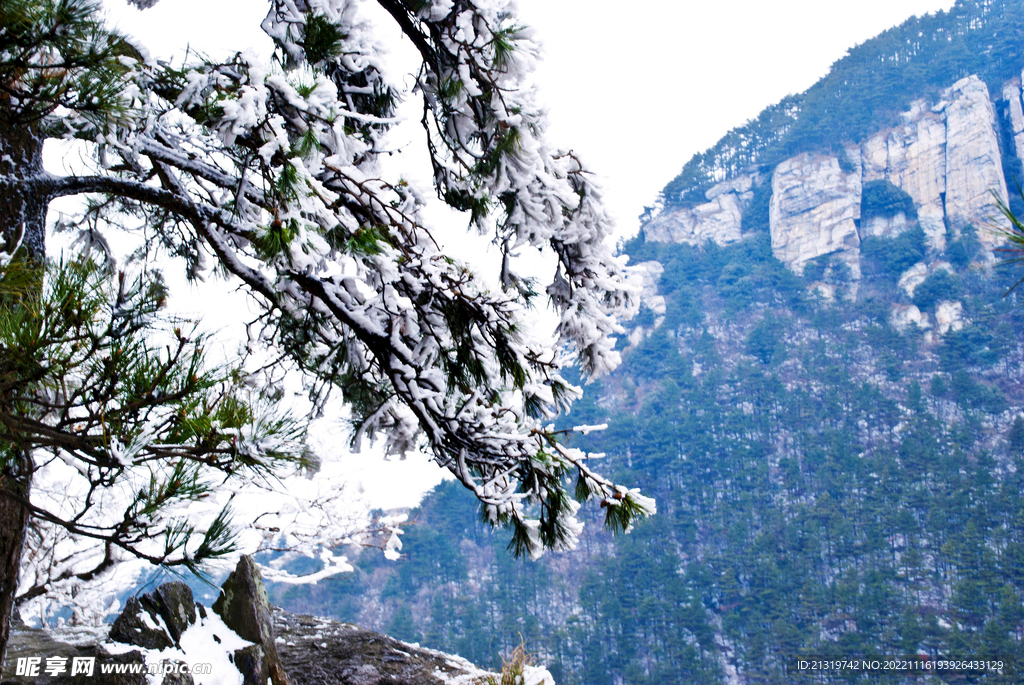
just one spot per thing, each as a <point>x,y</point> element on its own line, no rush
<point>906,315</point>
<point>949,316</point>
<point>813,211</point>
<point>947,159</point>
<point>717,220</point>
<point>742,186</point>
<point>913,158</point>
<point>973,164</point>
<point>649,274</point>
<point>913,277</point>
<point>826,291</point>
<point>884,226</point>
<point>916,275</point>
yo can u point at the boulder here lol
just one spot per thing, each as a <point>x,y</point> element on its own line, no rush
<point>252,663</point>
<point>906,315</point>
<point>135,625</point>
<point>28,643</point>
<point>177,607</point>
<point>245,608</point>
<point>156,619</point>
<point>949,316</point>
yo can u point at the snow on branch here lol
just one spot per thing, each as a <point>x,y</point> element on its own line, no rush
<point>274,170</point>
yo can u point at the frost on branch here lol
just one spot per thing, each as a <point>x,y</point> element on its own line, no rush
<point>272,170</point>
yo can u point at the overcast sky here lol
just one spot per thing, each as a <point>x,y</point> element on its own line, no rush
<point>635,88</point>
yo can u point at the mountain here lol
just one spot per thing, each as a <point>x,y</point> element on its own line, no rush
<point>823,390</point>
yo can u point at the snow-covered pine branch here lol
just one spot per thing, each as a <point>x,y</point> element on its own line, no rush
<point>271,171</point>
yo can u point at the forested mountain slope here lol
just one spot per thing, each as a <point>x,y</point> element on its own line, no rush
<point>823,391</point>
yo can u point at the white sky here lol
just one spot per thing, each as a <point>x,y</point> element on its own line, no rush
<point>635,88</point>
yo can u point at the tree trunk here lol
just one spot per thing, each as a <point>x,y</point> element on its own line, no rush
<point>22,218</point>
<point>14,480</point>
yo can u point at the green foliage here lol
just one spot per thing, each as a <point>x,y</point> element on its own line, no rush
<point>882,198</point>
<point>1015,438</point>
<point>970,346</point>
<point>757,215</point>
<point>814,501</point>
<point>765,341</point>
<point>974,395</point>
<point>93,61</point>
<point>890,257</point>
<point>940,285</point>
<point>90,372</point>
<point>962,251</point>
<point>321,39</point>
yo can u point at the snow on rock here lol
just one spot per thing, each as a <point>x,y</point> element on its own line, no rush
<point>311,651</point>
<point>537,675</point>
<point>814,209</point>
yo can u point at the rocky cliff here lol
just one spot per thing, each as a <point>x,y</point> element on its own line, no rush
<point>717,220</point>
<point>945,155</point>
<point>815,207</point>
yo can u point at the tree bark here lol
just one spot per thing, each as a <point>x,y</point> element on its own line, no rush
<point>22,220</point>
<point>14,480</point>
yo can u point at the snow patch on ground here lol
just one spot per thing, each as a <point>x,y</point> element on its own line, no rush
<point>207,641</point>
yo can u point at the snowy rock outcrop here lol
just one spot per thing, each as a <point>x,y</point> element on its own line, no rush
<point>717,220</point>
<point>814,209</point>
<point>166,628</point>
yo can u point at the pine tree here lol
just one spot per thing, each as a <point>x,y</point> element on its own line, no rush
<point>271,172</point>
